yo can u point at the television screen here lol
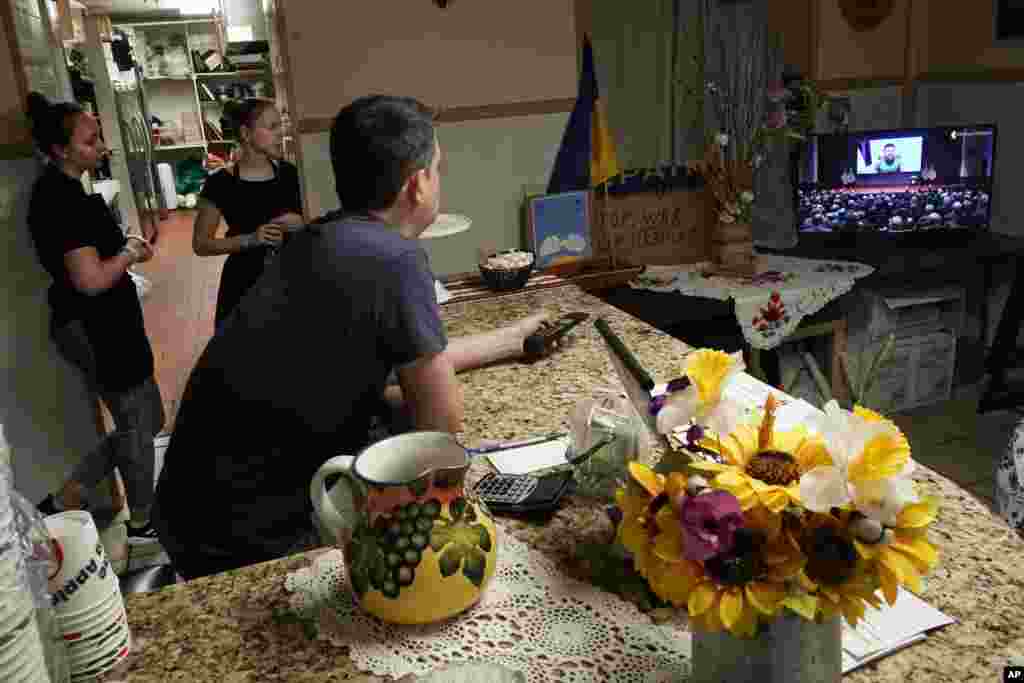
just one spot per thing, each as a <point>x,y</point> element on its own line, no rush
<point>889,155</point>
<point>897,181</point>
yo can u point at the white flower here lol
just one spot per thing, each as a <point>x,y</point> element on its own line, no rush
<point>845,435</point>
<point>726,217</point>
<point>722,139</point>
<point>721,415</point>
<point>884,499</point>
<point>747,196</point>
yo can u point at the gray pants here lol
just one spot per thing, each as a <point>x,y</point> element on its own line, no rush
<point>138,417</point>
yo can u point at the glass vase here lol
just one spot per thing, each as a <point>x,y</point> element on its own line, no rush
<point>789,649</point>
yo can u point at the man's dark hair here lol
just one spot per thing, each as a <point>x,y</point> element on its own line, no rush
<point>888,145</point>
<point>377,143</point>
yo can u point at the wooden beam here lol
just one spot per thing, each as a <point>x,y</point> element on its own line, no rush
<point>471,113</point>
<point>814,32</point>
<point>845,84</point>
<point>20,77</point>
<point>1009,75</point>
<point>909,69</point>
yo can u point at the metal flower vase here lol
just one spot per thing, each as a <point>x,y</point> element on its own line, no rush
<point>789,649</point>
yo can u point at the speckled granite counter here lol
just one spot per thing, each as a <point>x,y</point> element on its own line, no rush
<point>221,628</point>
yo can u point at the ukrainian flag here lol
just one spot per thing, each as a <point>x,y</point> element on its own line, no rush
<point>587,156</point>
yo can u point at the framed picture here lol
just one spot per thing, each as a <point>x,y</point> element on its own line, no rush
<point>559,227</point>
<point>1009,18</point>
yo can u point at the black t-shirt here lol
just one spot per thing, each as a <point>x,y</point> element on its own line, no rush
<point>291,381</point>
<point>245,206</point>
<point>62,218</point>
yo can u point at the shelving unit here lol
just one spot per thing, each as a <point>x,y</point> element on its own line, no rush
<point>172,86</point>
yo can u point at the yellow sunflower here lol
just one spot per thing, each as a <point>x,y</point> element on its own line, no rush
<point>737,593</point>
<point>908,555</point>
<point>651,531</point>
<point>764,465</point>
<point>835,576</point>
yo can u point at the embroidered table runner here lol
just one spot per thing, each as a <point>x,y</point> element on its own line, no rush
<point>769,305</point>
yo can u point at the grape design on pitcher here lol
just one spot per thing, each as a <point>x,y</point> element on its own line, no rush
<point>386,555</point>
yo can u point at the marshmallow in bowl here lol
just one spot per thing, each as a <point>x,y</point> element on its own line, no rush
<point>511,260</point>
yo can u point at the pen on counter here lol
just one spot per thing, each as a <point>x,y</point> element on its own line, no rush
<point>515,444</point>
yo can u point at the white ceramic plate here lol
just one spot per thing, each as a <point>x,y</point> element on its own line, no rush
<point>445,225</point>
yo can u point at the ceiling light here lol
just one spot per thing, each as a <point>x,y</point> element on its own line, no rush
<point>193,6</point>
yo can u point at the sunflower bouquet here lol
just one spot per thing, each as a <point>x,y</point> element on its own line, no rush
<point>813,520</point>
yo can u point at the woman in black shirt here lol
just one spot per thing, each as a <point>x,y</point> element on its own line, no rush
<point>96,319</point>
<point>258,197</point>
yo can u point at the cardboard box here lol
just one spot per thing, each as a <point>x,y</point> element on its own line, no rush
<point>652,228</point>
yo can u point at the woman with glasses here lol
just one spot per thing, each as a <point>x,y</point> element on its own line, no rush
<point>258,197</point>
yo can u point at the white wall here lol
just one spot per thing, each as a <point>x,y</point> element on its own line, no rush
<point>44,406</point>
<point>490,163</point>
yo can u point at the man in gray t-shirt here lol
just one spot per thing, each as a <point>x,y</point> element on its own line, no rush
<point>297,373</point>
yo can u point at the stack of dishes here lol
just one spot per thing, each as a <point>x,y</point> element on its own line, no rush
<point>87,598</point>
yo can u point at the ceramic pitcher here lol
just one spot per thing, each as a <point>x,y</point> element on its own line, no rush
<point>418,547</point>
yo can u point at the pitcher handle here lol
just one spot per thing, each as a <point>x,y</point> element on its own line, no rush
<point>339,524</point>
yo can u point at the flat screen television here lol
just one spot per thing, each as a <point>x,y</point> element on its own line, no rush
<point>909,182</point>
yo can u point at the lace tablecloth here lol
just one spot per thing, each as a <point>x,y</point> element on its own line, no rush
<point>770,305</point>
<point>533,618</point>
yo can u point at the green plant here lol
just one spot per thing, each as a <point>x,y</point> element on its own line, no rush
<point>861,378</point>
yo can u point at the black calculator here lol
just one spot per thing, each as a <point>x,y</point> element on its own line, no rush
<point>522,493</point>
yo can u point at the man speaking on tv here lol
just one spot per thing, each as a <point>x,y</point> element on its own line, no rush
<point>890,160</point>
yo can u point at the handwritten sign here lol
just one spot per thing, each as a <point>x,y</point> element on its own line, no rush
<point>649,228</point>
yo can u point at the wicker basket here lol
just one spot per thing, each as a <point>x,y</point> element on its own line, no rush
<point>505,280</point>
<point>732,249</point>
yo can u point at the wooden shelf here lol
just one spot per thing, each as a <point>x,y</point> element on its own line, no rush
<point>234,74</point>
<point>222,142</point>
<point>180,79</point>
<point>187,145</point>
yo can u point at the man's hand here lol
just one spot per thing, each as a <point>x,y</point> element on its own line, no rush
<point>530,324</point>
<point>270,235</point>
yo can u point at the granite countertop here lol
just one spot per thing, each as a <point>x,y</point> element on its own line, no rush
<point>221,628</point>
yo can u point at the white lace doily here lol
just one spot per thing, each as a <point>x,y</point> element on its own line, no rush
<point>533,618</point>
<point>770,305</point>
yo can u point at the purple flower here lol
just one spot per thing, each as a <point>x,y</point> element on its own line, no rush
<point>677,384</point>
<point>693,435</point>
<point>657,403</point>
<point>709,522</point>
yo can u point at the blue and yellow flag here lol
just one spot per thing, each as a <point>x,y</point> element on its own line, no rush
<point>587,156</point>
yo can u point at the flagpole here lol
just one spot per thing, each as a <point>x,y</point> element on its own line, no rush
<point>608,229</point>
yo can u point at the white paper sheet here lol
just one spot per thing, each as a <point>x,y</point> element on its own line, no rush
<point>526,459</point>
<point>752,392</point>
<point>885,630</point>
